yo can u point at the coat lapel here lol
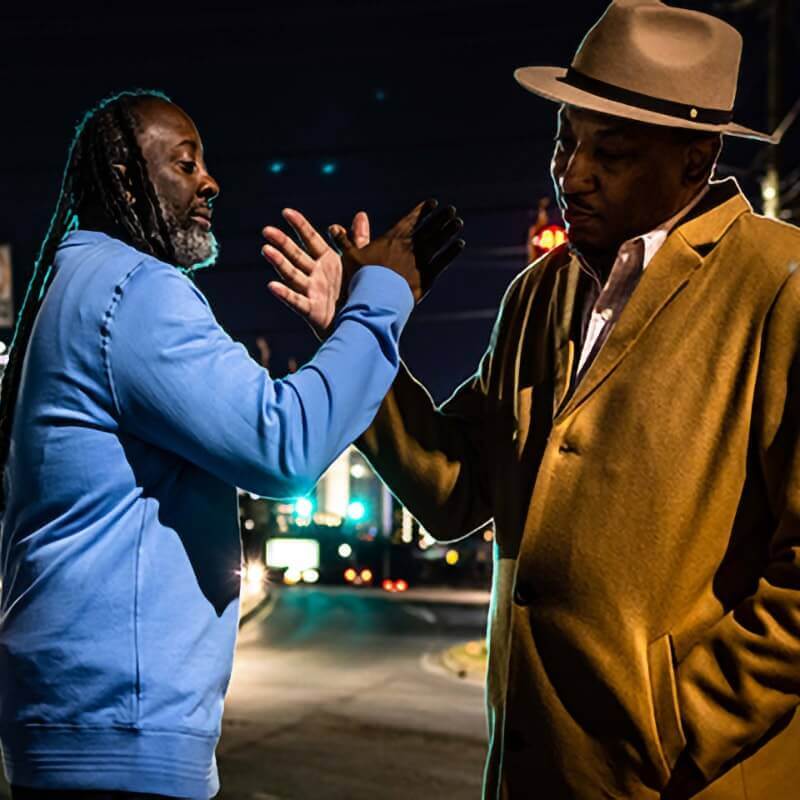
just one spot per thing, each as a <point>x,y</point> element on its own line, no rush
<point>668,272</point>
<point>564,346</point>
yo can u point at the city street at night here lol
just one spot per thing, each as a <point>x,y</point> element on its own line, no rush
<point>337,694</point>
<point>331,331</point>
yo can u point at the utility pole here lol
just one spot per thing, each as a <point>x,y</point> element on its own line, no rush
<point>770,184</point>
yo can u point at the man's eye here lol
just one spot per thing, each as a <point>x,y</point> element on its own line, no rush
<point>188,166</point>
<point>611,155</point>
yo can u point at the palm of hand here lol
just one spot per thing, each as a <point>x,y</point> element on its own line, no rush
<point>312,277</point>
<point>324,289</point>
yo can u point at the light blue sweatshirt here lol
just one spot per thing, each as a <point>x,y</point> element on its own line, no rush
<point>136,418</point>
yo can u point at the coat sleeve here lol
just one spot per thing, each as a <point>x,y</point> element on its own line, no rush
<point>433,459</point>
<point>743,677</point>
<point>438,460</point>
<point>179,382</point>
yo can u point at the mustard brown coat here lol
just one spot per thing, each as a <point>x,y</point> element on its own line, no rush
<point>646,588</point>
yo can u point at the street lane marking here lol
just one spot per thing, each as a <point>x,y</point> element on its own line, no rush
<point>425,614</point>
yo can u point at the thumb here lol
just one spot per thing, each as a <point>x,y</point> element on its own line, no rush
<point>340,238</point>
<point>360,229</point>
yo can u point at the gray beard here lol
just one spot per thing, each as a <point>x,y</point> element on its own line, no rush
<point>194,248</point>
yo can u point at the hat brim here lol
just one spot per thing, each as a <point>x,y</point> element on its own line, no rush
<point>548,82</point>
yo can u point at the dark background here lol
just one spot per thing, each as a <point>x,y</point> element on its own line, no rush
<point>404,100</point>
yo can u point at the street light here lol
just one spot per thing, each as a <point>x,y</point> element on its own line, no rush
<point>345,551</point>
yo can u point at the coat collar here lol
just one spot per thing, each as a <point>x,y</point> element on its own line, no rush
<point>708,222</point>
<point>671,269</point>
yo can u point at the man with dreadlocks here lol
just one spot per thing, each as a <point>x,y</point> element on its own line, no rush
<point>128,416</point>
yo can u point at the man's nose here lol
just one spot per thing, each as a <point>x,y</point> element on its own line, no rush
<point>578,174</point>
<point>209,188</point>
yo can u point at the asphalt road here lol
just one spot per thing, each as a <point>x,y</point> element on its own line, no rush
<point>335,696</point>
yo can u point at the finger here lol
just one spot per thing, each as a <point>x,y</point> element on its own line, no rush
<point>434,222</point>
<point>359,231</point>
<point>437,265</point>
<point>450,228</point>
<point>289,249</point>
<point>445,257</point>
<point>294,277</point>
<point>295,301</point>
<point>341,238</point>
<point>405,225</point>
<point>314,243</point>
<point>438,239</point>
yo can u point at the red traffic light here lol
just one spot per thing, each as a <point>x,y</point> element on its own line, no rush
<point>548,238</point>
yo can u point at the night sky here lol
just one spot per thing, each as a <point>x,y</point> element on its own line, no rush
<point>333,107</point>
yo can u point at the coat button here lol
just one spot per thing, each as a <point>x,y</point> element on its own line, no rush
<point>523,593</point>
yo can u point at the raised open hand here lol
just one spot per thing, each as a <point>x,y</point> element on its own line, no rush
<point>312,277</point>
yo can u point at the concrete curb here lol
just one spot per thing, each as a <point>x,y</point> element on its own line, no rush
<point>264,606</point>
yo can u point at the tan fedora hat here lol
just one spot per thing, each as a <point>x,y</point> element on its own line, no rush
<point>650,62</point>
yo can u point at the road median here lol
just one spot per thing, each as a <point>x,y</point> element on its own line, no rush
<point>466,661</point>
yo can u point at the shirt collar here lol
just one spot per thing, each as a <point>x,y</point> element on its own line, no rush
<point>653,240</point>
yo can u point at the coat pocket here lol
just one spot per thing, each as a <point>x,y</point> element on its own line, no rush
<point>670,738</point>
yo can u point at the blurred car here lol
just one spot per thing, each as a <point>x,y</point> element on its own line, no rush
<point>359,577</point>
<point>397,585</point>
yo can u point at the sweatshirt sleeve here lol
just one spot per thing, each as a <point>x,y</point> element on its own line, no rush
<point>179,382</point>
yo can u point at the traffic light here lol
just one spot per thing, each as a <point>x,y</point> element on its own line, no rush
<point>548,238</point>
<point>303,507</point>
<point>356,511</point>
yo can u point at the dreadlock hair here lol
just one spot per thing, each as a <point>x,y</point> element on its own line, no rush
<point>91,186</point>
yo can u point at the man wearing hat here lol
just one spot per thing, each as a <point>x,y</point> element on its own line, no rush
<point>634,432</point>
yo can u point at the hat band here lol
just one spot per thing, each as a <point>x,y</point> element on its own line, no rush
<point>708,116</point>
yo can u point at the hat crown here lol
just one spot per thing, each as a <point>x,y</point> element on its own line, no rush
<point>673,54</point>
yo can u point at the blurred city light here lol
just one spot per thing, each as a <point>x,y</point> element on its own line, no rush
<point>425,539</point>
<point>407,534</point>
<point>310,575</point>
<point>294,554</point>
<point>328,168</point>
<point>356,510</point>
<point>292,576</point>
<point>253,575</point>
<point>488,535</point>
<point>276,167</point>
<point>350,574</point>
<point>303,507</point>
<point>366,575</point>
<point>389,585</point>
<point>451,557</point>
<point>249,524</point>
<point>345,551</point>
<point>358,471</point>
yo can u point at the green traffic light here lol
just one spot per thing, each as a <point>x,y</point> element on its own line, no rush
<point>303,507</point>
<point>356,510</point>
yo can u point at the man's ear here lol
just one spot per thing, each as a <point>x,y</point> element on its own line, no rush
<point>122,171</point>
<point>701,158</point>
